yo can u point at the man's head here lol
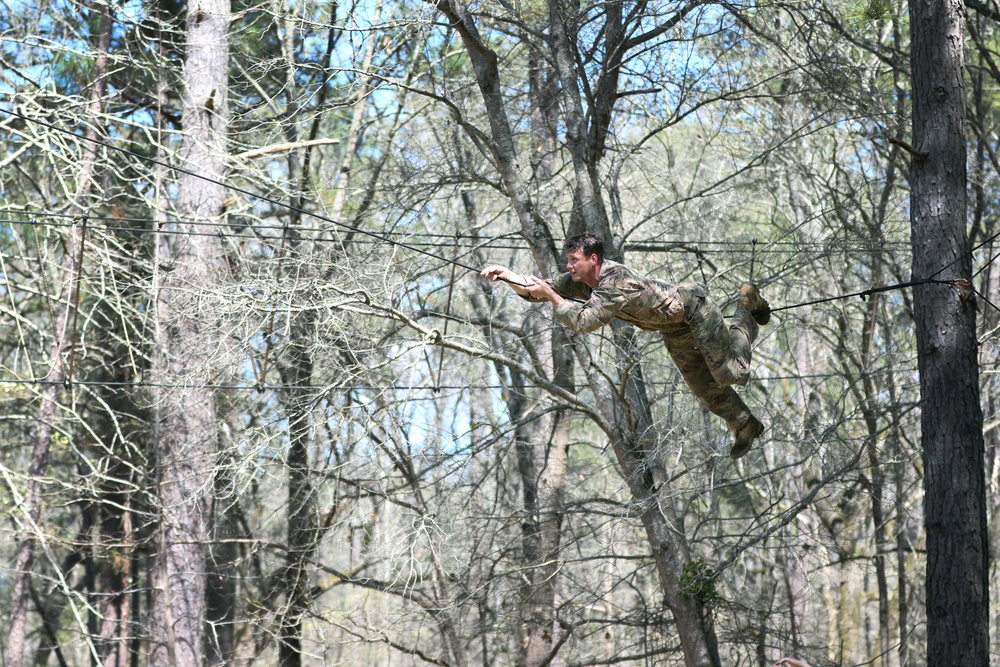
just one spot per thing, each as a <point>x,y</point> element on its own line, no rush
<point>589,244</point>
<point>584,256</point>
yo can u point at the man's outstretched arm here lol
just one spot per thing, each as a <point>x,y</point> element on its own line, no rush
<point>529,287</point>
<point>590,315</point>
<point>517,282</point>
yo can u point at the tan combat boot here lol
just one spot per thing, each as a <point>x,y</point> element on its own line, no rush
<point>745,436</point>
<point>752,301</point>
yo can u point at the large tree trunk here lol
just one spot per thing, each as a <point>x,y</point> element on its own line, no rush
<point>188,333</point>
<point>634,439</point>
<point>303,522</point>
<point>589,213</point>
<point>951,418</point>
<point>542,464</point>
<point>543,446</point>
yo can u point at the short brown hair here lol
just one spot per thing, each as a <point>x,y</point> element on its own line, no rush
<point>590,244</point>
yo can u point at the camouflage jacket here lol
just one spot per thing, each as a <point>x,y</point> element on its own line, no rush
<point>652,305</point>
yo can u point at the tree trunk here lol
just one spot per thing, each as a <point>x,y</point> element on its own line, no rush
<point>951,418</point>
<point>589,212</point>
<point>224,557</point>
<point>634,441</point>
<point>867,395</point>
<point>186,437</point>
<point>542,447</point>
<point>302,519</point>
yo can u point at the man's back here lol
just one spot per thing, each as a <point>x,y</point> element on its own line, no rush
<point>623,293</point>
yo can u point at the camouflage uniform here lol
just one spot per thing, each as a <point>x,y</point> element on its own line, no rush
<point>710,355</point>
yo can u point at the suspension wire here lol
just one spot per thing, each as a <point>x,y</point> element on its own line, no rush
<point>983,297</point>
<point>992,259</point>
<point>641,245</point>
<point>234,225</point>
<point>220,234</point>
<point>961,282</point>
<point>864,294</point>
<point>385,239</point>
<point>141,384</point>
<point>959,258</point>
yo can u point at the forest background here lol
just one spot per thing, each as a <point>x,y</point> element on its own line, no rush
<point>259,409</point>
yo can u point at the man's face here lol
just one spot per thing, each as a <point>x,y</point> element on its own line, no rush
<point>583,268</point>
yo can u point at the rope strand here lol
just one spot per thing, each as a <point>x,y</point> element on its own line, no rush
<point>864,294</point>
<point>385,239</point>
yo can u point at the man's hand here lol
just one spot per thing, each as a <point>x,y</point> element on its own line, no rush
<point>495,272</point>
<point>793,662</point>
<point>540,289</point>
<point>528,286</point>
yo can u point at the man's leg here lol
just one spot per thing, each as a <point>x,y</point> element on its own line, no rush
<point>725,347</point>
<point>721,400</point>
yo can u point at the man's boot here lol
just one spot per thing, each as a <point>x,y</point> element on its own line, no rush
<point>754,303</point>
<point>745,436</point>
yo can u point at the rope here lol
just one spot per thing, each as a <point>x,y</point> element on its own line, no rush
<point>983,297</point>
<point>394,387</point>
<point>864,294</point>
<point>123,384</point>
<point>500,242</point>
<point>385,239</point>
<point>652,244</point>
<point>962,282</point>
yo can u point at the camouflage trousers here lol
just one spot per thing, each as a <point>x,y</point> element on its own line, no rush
<point>711,354</point>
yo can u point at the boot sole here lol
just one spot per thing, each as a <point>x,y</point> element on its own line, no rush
<point>741,448</point>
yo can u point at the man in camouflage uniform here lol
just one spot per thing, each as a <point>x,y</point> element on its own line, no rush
<point>710,355</point>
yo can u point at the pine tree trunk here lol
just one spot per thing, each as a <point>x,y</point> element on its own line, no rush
<point>186,438</point>
<point>951,417</point>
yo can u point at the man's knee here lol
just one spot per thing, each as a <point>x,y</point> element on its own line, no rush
<point>732,372</point>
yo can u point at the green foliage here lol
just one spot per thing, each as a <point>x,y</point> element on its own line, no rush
<point>698,581</point>
<point>869,12</point>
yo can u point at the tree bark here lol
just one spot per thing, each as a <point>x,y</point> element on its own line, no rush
<point>188,331</point>
<point>951,417</point>
<point>302,520</point>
